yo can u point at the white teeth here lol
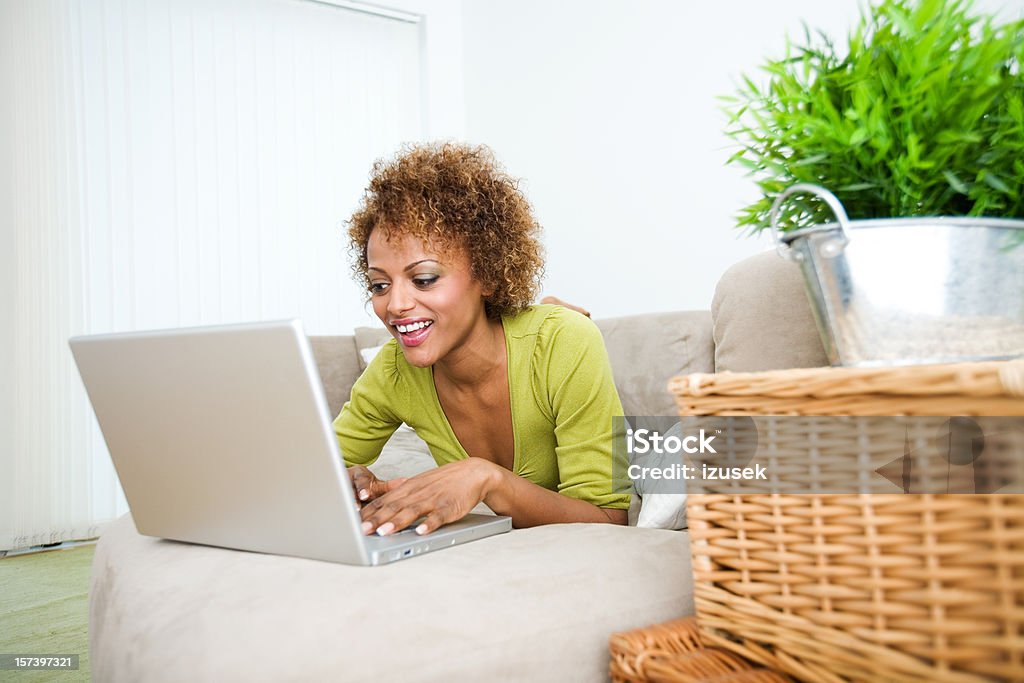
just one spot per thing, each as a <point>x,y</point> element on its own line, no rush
<point>414,326</point>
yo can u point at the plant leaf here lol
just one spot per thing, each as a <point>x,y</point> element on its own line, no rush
<point>921,112</point>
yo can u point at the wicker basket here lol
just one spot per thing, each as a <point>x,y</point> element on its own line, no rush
<point>958,389</point>
<point>674,653</point>
<point>864,454</point>
<point>862,587</point>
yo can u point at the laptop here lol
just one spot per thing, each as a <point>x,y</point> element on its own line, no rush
<point>221,436</point>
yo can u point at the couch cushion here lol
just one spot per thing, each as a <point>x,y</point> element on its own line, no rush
<point>762,319</point>
<point>336,359</point>
<point>404,455</point>
<point>369,338</point>
<point>649,349</point>
<point>532,604</point>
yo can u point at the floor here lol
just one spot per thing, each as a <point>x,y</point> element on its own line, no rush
<point>44,609</point>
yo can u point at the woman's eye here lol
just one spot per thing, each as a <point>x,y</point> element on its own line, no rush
<point>424,281</point>
<point>378,287</point>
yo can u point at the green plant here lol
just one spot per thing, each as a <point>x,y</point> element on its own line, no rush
<point>923,115</point>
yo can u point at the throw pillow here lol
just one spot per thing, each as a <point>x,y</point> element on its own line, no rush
<point>369,338</point>
<point>657,503</point>
<point>647,350</point>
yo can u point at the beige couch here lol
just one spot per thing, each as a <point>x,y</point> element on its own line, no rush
<point>533,604</point>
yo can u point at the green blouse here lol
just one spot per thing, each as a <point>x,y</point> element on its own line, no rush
<point>561,391</point>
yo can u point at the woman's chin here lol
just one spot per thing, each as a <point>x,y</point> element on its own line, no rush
<point>415,357</point>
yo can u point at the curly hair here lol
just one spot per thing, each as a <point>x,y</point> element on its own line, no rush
<point>455,196</point>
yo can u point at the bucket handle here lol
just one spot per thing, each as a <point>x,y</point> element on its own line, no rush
<point>830,249</point>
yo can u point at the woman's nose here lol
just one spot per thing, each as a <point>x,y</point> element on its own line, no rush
<point>400,300</point>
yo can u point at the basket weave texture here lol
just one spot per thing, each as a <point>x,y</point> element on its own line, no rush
<point>674,653</point>
<point>862,587</point>
<point>993,388</point>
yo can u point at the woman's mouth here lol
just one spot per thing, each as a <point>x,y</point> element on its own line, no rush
<point>413,333</point>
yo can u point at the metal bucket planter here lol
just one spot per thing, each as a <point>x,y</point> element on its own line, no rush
<point>902,291</point>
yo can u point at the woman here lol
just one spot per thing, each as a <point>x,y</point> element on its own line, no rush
<point>515,401</point>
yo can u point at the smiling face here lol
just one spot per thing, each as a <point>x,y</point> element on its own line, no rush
<point>426,297</point>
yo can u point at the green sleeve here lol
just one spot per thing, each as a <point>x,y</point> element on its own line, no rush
<point>584,401</point>
<point>367,420</point>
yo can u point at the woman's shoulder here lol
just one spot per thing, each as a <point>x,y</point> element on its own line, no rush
<point>556,335</point>
<point>548,321</point>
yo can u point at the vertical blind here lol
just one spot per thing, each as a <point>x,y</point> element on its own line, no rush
<point>171,163</point>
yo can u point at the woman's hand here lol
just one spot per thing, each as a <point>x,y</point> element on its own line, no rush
<point>366,486</point>
<point>558,302</point>
<point>439,496</point>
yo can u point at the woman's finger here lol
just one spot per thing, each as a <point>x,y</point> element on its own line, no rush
<point>441,495</point>
<point>391,513</point>
<point>434,512</point>
<point>367,486</point>
<point>360,478</point>
<point>432,522</point>
<point>363,481</point>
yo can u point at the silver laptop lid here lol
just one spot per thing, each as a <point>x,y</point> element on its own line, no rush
<point>221,436</point>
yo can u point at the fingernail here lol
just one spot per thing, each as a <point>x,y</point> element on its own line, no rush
<point>385,529</point>
<point>421,529</point>
<point>363,494</point>
<point>367,527</point>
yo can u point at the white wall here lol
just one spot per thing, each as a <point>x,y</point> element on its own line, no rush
<point>171,163</point>
<point>608,110</point>
<point>444,105</point>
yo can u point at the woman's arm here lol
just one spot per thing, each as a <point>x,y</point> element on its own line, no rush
<point>530,505</point>
<point>367,419</point>
<point>448,493</point>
